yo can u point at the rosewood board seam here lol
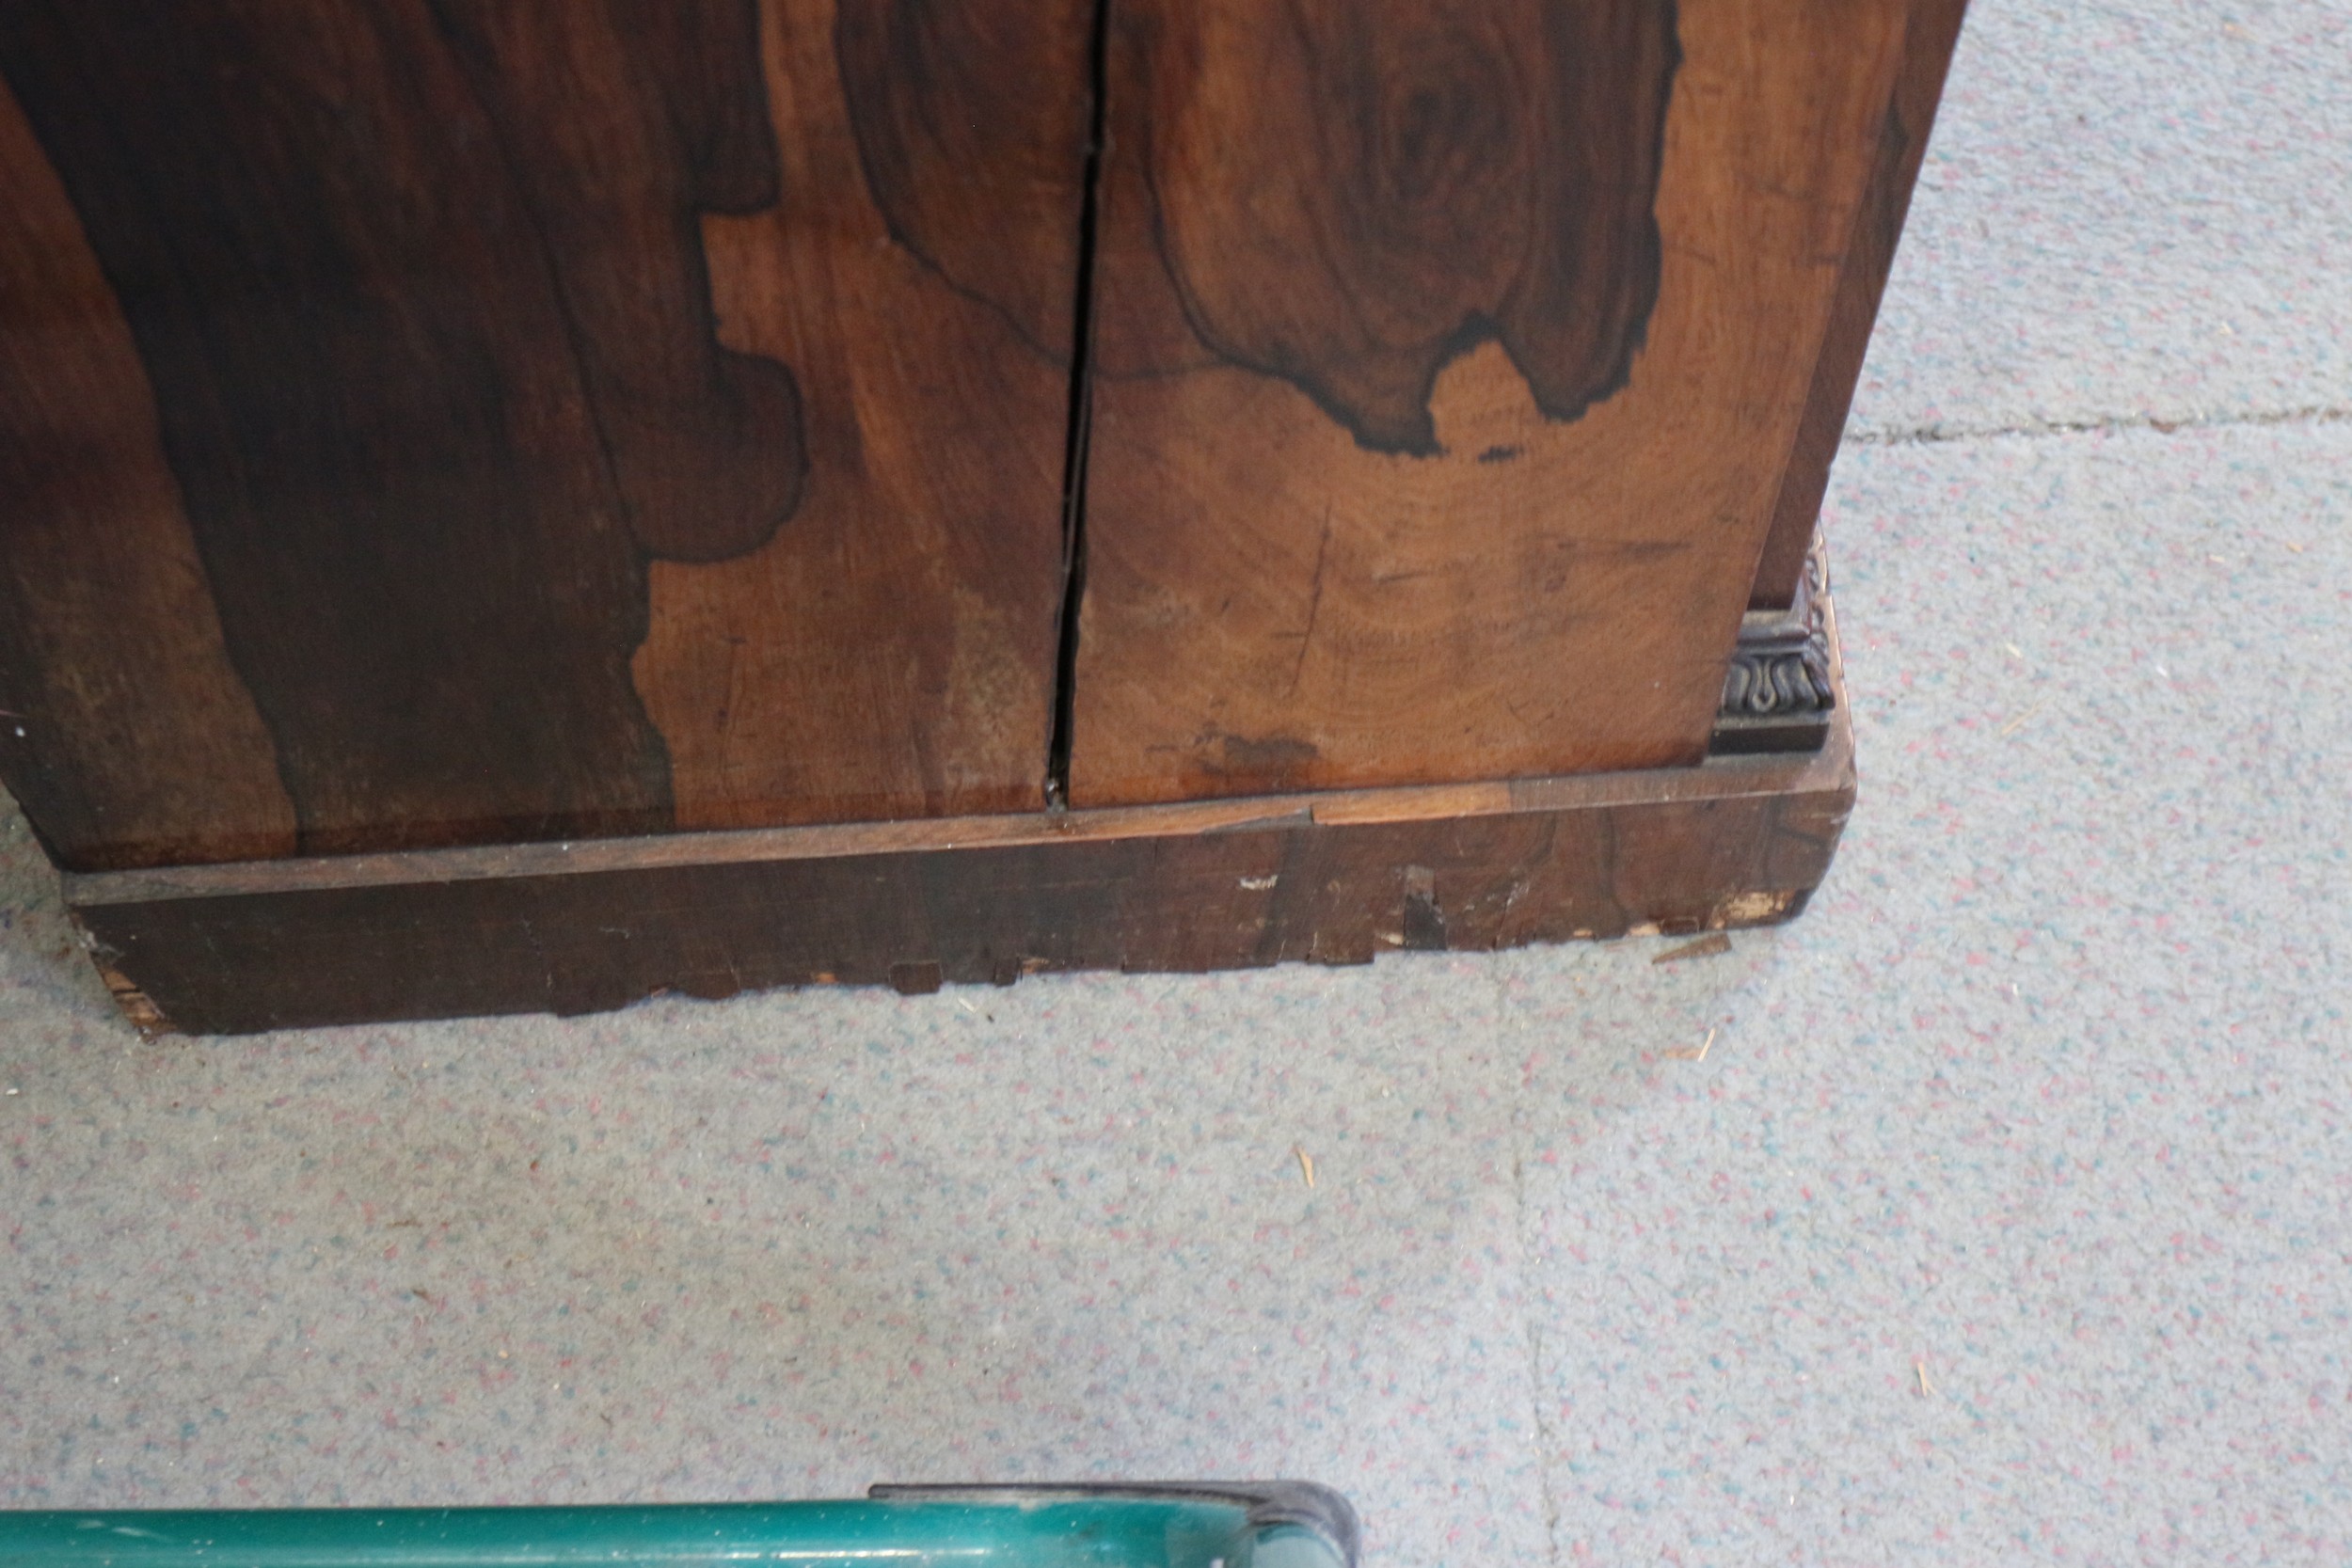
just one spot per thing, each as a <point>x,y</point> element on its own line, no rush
<point>505,364</point>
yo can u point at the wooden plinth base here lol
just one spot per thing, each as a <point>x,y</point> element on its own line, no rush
<point>1334,878</point>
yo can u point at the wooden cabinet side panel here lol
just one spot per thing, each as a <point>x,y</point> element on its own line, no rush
<point>504,420</point>
<point>1435,431</point>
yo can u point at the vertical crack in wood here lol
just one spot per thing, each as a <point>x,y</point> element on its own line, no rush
<point>1081,410</point>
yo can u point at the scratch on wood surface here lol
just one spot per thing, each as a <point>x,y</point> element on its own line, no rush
<point>1314,599</point>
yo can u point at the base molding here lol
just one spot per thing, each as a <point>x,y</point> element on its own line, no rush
<point>1335,878</point>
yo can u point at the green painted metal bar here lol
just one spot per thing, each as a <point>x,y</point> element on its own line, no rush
<point>1274,1527</point>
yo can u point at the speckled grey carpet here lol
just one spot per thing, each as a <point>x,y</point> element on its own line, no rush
<point>2008,1217</point>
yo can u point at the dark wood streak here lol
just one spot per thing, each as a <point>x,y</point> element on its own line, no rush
<point>625,119</point>
<point>959,144</point>
<point>126,735</point>
<point>891,653</point>
<point>419,292</point>
<point>1350,195</point>
<point>1341,214</point>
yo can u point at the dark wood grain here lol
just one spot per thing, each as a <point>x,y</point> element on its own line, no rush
<point>367,371</point>
<point>1440,400</point>
<point>481,355</point>
<point>1930,34</point>
<point>967,113</point>
<point>1337,878</point>
<point>124,733</point>
<point>626,121</point>
<point>1350,195</point>
<point>891,653</point>
<point>440,432</point>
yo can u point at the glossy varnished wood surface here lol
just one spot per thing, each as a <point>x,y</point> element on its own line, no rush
<point>435,421</point>
<point>1443,390</point>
